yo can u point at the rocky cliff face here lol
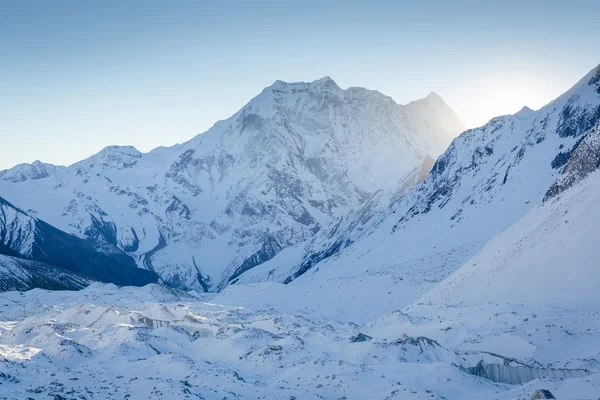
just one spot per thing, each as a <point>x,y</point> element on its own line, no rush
<point>201,214</point>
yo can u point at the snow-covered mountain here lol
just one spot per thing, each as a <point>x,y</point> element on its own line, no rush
<point>200,214</point>
<point>35,170</point>
<point>35,254</point>
<point>18,273</point>
<point>480,282</point>
<point>487,180</point>
<point>494,252</point>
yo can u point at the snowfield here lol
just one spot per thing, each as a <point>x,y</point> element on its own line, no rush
<point>153,342</point>
<point>105,342</point>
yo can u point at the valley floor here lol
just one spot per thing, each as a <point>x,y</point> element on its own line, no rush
<point>106,342</point>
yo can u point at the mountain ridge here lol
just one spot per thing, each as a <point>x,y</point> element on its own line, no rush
<point>432,95</point>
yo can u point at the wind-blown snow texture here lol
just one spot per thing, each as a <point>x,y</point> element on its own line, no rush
<point>202,213</point>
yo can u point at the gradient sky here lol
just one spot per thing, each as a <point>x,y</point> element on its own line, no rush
<point>76,76</point>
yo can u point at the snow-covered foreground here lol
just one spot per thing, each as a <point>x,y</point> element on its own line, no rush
<point>105,342</point>
<point>153,342</point>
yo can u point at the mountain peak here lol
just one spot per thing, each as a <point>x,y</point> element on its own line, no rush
<point>435,99</point>
<point>130,150</point>
<point>434,96</point>
<point>292,160</point>
<point>525,112</point>
<point>431,99</point>
<point>114,157</point>
<point>23,172</point>
<point>115,150</point>
<point>325,82</point>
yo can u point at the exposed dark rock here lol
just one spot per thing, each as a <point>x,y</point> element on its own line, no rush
<point>178,209</point>
<point>134,245</point>
<point>584,159</point>
<point>162,243</point>
<point>361,337</point>
<point>542,394</point>
<point>101,229</point>
<point>564,156</point>
<point>595,81</point>
<point>575,120</point>
<point>269,249</point>
<point>315,258</point>
<point>177,171</point>
<point>53,247</point>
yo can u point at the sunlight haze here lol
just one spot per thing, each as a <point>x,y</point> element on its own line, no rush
<point>79,76</point>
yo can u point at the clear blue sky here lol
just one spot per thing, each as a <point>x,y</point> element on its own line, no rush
<point>76,76</point>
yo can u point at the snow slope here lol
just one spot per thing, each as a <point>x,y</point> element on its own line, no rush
<point>20,274</point>
<point>39,255</point>
<point>154,342</point>
<point>200,214</point>
<point>531,293</point>
<point>547,258</point>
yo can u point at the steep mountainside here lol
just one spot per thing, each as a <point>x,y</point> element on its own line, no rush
<point>200,214</point>
<point>551,248</point>
<point>17,273</point>
<point>488,178</point>
<point>35,254</point>
<point>530,294</point>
